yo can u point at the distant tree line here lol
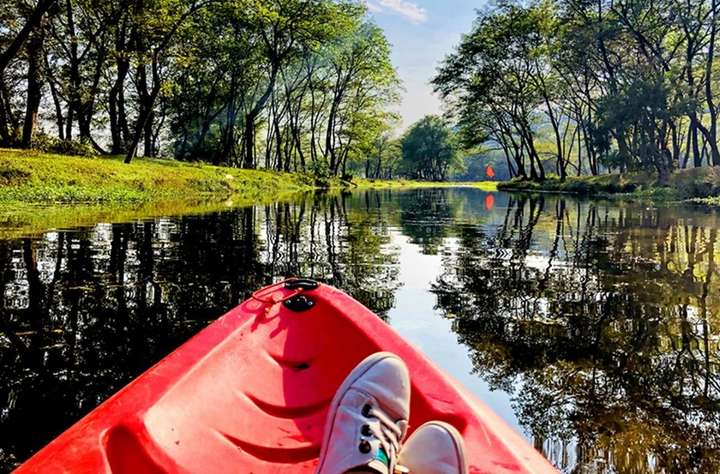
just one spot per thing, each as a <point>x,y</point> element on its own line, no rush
<point>427,151</point>
<point>585,87</point>
<point>282,84</point>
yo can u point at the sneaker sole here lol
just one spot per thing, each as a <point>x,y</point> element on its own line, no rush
<point>352,377</point>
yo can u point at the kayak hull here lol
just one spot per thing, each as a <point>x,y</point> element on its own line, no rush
<point>250,394</point>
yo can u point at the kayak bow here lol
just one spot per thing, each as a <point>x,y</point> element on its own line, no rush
<point>249,394</point>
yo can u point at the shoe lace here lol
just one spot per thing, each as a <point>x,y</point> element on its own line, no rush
<point>388,433</point>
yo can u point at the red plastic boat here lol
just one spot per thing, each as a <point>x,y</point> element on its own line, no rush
<point>249,394</point>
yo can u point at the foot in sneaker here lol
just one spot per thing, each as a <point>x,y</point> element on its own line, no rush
<point>368,418</point>
<point>434,448</point>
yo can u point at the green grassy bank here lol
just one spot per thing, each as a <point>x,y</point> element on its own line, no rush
<point>697,184</point>
<point>27,176</point>
<point>362,183</point>
<point>35,177</point>
<point>40,191</point>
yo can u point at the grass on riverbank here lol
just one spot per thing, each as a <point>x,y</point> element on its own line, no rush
<point>41,191</point>
<point>362,183</point>
<point>28,176</point>
<point>696,184</point>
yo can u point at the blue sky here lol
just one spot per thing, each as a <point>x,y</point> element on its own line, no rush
<point>422,32</point>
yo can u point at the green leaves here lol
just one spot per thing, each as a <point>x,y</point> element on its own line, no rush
<point>305,80</point>
<point>231,81</point>
<point>429,150</point>
<point>626,83</point>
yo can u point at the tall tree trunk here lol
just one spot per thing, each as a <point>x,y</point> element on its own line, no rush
<point>75,99</point>
<point>251,117</point>
<point>693,132</point>
<point>141,125</point>
<point>5,134</point>
<point>561,166</point>
<point>147,103</point>
<point>8,55</point>
<point>579,152</point>
<point>87,104</point>
<point>35,81</point>
<point>228,139</point>
<point>116,98</point>
<point>711,106</point>
<point>59,118</point>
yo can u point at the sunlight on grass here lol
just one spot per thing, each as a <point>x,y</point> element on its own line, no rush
<point>41,191</point>
<point>38,177</point>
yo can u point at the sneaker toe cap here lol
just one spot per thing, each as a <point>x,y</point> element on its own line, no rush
<point>388,381</point>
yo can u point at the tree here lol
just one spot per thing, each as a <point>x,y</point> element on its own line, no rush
<point>10,46</point>
<point>326,105</point>
<point>383,156</point>
<point>284,28</point>
<point>429,150</point>
<point>153,39</point>
<point>594,86</point>
<point>496,82</point>
<point>304,83</point>
<point>364,82</point>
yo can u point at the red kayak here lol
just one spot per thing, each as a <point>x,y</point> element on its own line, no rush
<point>249,394</point>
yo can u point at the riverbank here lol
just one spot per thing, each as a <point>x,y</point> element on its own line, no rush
<point>43,178</point>
<point>362,183</point>
<point>41,191</point>
<point>34,177</point>
<point>697,185</point>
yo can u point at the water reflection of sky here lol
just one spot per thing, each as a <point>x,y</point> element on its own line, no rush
<point>415,319</point>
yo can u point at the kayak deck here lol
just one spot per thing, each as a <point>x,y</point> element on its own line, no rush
<point>250,394</point>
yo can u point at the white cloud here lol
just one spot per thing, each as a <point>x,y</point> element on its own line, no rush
<point>408,10</point>
<point>373,8</point>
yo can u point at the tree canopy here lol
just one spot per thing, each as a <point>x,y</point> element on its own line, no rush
<point>284,84</point>
<point>588,87</point>
<point>429,150</point>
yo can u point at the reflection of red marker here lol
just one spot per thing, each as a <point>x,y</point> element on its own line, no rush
<point>490,172</point>
<point>489,202</point>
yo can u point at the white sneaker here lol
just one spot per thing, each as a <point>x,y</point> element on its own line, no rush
<point>434,448</point>
<point>368,417</point>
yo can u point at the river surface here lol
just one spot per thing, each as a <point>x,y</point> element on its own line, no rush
<point>591,327</point>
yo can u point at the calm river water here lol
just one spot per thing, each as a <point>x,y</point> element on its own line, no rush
<point>592,327</point>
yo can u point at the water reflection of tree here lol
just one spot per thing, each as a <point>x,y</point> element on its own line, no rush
<point>425,217</point>
<point>84,312</point>
<point>603,323</point>
<point>429,216</point>
<point>340,239</point>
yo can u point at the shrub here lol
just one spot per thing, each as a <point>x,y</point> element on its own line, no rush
<point>321,173</point>
<point>43,142</point>
<point>49,144</point>
<point>74,147</point>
